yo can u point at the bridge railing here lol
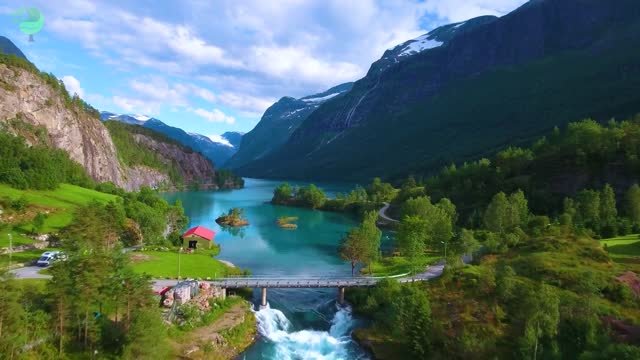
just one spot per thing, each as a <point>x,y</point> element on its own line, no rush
<point>308,277</point>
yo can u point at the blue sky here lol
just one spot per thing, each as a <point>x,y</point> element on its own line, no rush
<point>215,66</point>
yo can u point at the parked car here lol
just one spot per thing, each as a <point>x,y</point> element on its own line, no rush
<point>49,257</point>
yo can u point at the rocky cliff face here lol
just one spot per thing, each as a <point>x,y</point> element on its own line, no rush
<point>193,167</point>
<point>26,97</point>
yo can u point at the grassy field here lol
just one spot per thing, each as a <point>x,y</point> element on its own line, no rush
<point>394,265</point>
<point>60,203</point>
<point>624,249</point>
<point>164,264</point>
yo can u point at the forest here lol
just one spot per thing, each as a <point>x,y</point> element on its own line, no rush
<point>538,283</point>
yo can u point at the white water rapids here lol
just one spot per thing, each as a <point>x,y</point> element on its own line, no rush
<point>306,344</point>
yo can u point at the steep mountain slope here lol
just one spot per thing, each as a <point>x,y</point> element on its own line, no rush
<point>9,48</point>
<point>218,152</point>
<point>489,83</point>
<point>278,123</point>
<point>141,147</point>
<point>36,106</point>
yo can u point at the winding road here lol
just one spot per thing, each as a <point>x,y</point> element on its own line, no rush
<point>383,213</point>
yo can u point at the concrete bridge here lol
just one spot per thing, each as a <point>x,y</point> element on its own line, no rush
<point>340,283</point>
<point>280,282</point>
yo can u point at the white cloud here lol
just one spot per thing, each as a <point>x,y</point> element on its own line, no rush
<point>219,139</point>
<point>248,104</point>
<point>73,85</point>
<point>249,52</point>
<point>300,63</point>
<point>203,93</point>
<point>214,116</point>
<point>459,10</point>
<point>133,105</point>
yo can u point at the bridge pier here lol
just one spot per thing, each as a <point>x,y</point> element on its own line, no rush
<point>341,295</point>
<point>263,298</point>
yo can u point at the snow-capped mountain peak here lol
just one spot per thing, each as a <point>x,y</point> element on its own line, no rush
<point>141,117</point>
<point>219,139</point>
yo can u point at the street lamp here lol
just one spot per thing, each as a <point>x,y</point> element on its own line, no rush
<point>179,252</point>
<point>10,249</point>
<point>445,250</point>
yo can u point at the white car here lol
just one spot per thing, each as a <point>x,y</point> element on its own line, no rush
<point>49,257</point>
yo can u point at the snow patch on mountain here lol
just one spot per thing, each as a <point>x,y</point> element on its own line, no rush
<point>141,117</point>
<point>419,44</point>
<point>460,24</point>
<point>321,99</point>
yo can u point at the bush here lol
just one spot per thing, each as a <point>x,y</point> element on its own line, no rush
<point>19,204</point>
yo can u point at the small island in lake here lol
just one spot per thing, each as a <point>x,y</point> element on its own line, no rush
<point>233,218</point>
<point>285,222</point>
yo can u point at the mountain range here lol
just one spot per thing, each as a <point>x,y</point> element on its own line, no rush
<point>218,149</point>
<point>277,124</point>
<point>464,91</point>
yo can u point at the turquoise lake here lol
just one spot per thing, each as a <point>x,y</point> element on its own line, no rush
<point>300,323</point>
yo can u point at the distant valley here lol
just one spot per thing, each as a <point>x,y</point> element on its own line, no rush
<point>218,149</point>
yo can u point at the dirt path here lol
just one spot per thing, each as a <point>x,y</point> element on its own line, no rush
<point>207,342</point>
<point>230,319</point>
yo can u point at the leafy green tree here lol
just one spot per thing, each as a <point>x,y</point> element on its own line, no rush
<point>379,192</point>
<point>147,337</point>
<point>11,317</point>
<point>470,244</point>
<point>354,248</point>
<point>311,196</point>
<point>589,208</point>
<point>449,208</point>
<point>362,244</point>
<point>412,238</point>
<point>542,315</point>
<point>438,219</point>
<point>608,211</point>
<point>38,222</point>
<point>518,209</point>
<point>632,199</point>
<point>504,214</point>
<point>505,283</point>
<point>496,218</point>
<point>373,235</point>
<point>282,194</point>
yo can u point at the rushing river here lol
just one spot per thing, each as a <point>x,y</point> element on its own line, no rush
<point>299,323</point>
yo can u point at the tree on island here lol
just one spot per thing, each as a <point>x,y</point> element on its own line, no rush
<point>233,217</point>
<point>311,196</point>
<point>282,194</point>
